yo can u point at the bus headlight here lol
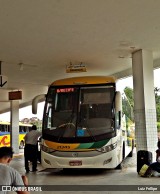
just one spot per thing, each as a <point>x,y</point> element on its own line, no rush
<point>47,149</point>
<point>107,148</point>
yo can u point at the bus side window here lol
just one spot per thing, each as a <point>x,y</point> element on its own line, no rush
<point>21,129</point>
<point>9,128</point>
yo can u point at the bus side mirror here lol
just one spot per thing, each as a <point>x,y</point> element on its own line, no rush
<point>119,115</point>
<point>118,101</point>
<point>118,108</point>
<point>35,102</point>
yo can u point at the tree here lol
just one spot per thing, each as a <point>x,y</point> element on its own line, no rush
<point>128,103</point>
<point>129,93</point>
<point>157,99</point>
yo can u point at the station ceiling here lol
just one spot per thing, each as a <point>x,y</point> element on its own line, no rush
<point>39,38</point>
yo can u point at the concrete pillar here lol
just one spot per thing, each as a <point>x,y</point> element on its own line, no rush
<point>15,125</point>
<point>144,101</point>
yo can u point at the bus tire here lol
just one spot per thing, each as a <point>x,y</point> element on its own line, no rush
<point>21,145</point>
<point>119,167</point>
<point>123,151</point>
<point>131,153</point>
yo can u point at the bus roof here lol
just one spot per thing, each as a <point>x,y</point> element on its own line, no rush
<point>20,124</point>
<point>84,80</point>
<point>4,123</point>
<point>25,124</point>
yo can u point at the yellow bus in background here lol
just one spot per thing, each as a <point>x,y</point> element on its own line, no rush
<point>5,133</point>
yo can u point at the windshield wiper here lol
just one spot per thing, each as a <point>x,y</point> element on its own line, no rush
<point>61,133</point>
<point>65,127</point>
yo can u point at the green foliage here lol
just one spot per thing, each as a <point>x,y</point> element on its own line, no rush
<point>128,103</point>
<point>38,123</point>
<point>129,93</point>
<point>158,126</point>
<point>157,99</point>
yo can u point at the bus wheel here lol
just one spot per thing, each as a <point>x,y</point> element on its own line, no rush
<point>21,145</point>
<point>131,153</point>
<point>119,167</point>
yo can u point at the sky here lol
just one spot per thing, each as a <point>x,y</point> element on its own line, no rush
<point>121,84</point>
<point>25,112</point>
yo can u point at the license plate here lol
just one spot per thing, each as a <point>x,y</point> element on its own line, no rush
<point>75,163</point>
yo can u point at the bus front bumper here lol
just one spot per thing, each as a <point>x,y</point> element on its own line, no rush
<point>104,160</point>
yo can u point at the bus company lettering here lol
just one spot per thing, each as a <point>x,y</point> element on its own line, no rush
<point>62,147</point>
<point>4,141</point>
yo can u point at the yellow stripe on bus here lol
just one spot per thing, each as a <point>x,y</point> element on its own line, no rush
<point>61,146</point>
<point>66,146</point>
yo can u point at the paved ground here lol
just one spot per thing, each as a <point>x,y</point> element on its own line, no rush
<point>90,181</point>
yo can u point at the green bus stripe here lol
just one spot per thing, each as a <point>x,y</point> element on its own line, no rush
<point>93,145</point>
<point>85,145</point>
<point>100,144</point>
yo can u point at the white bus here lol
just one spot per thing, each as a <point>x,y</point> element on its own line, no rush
<point>84,125</point>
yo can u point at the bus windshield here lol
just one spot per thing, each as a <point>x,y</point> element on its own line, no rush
<point>79,113</point>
